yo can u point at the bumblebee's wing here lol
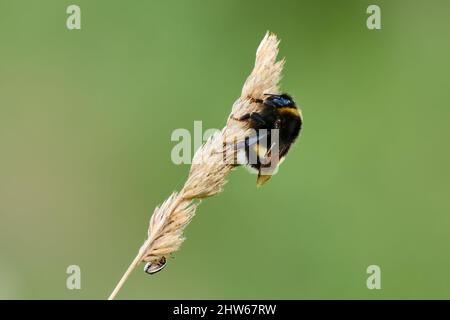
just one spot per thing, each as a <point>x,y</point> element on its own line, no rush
<point>269,158</point>
<point>258,145</point>
<point>251,140</point>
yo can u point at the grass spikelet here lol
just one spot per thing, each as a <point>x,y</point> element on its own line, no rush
<point>210,165</point>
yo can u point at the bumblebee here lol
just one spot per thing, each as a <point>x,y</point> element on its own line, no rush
<point>276,124</point>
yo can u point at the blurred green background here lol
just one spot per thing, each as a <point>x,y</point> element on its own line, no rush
<point>85,124</point>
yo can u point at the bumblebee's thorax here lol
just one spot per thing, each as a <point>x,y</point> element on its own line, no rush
<point>287,119</point>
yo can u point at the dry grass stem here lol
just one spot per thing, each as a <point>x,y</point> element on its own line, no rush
<point>210,165</point>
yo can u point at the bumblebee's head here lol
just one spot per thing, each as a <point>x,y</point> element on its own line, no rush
<point>279,100</point>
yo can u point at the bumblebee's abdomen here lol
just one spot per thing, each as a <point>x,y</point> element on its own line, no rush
<point>291,124</point>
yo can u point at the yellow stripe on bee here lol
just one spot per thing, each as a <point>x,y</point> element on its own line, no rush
<point>293,111</point>
<point>260,150</point>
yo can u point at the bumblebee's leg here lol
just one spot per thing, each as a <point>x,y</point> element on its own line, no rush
<point>257,118</point>
<point>241,118</point>
<point>254,116</point>
<point>270,103</point>
<point>256,100</point>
